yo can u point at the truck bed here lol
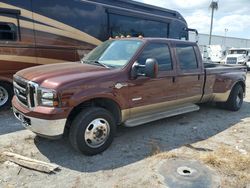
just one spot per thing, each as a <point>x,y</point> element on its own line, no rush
<point>216,66</point>
<point>219,80</point>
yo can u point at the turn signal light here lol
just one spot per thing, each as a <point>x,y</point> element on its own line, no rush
<point>122,37</point>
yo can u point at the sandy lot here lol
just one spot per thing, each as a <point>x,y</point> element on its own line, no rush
<point>144,156</point>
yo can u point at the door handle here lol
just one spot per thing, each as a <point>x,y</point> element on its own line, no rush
<point>199,76</point>
<point>173,79</point>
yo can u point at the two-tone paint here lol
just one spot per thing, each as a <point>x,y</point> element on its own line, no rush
<point>79,85</point>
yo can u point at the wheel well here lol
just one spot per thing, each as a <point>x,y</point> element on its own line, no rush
<point>5,82</point>
<point>242,84</point>
<point>105,103</point>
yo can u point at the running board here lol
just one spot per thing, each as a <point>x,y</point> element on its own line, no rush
<point>160,115</point>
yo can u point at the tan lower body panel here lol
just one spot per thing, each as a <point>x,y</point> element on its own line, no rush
<point>148,113</point>
<point>216,97</point>
<point>155,108</point>
<point>161,114</point>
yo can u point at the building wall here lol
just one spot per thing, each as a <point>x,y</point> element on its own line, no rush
<point>228,42</point>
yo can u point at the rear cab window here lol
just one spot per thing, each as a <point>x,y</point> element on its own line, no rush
<point>186,57</point>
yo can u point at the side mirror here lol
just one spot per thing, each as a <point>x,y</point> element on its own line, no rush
<point>150,69</point>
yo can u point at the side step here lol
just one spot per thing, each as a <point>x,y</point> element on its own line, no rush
<point>160,115</point>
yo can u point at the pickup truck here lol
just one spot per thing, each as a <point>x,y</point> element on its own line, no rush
<point>129,81</point>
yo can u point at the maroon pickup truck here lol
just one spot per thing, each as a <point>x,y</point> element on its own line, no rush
<point>126,82</point>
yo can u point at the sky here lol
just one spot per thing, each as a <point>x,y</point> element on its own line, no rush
<point>232,15</point>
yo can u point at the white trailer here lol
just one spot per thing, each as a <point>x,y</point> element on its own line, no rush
<point>213,53</point>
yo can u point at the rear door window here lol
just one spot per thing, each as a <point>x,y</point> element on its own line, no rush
<point>186,56</point>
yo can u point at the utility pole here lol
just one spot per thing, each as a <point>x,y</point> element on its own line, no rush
<point>213,6</point>
<point>225,36</point>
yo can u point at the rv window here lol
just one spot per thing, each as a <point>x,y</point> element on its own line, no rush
<point>8,31</point>
<point>126,25</point>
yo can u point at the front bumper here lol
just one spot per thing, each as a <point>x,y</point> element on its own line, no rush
<point>248,65</point>
<point>42,127</point>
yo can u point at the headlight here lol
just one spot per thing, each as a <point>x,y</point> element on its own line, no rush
<point>47,97</point>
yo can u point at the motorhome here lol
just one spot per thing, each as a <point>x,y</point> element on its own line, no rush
<point>45,32</point>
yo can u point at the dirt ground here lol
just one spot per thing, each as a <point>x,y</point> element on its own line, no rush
<point>218,139</point>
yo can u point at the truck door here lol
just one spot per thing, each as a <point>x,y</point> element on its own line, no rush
<point>190,77</point>
<point>150,95</point>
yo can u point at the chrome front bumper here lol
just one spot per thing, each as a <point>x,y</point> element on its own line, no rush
<point>42,127</point>
<point>248,64</point>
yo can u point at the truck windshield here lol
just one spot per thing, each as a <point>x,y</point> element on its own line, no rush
<point>237,52</point>
<point>113,53</point>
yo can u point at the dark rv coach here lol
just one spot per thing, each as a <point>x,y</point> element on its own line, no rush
<point>45,32</point>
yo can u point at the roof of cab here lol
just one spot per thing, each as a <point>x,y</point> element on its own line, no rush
<point>150,39</point>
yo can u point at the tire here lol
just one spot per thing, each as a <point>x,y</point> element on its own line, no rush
<point>6,94</point>
<point>235,99</point>
<point>92,131</point>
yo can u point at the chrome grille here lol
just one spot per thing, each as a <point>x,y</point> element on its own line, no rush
<point>232,60</point>
<point>25,91</point>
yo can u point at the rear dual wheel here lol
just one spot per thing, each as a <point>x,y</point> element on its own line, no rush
<point>92,131</point>
<point>235,99</point>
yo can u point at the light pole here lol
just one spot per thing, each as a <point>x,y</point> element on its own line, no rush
<point>213,6</point>
<point>225,36</point>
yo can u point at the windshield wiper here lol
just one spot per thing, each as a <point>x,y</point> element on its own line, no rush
<point>97,62</point>
<point>94,62</point>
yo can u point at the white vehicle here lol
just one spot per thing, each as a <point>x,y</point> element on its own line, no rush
<point>239,56</point>
<point>214,53</point>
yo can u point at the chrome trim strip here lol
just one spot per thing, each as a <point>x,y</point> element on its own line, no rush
<point>28,95</point>
<point>24,98</point>
<point>137,99</point>
<point>29,85</point>
<point>17,86</point>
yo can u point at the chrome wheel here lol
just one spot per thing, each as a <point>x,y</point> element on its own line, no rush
<point>4,96</point>
<point>239,99</point>
<point>97,132</point>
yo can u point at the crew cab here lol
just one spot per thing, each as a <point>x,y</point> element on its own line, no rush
<point>129,81</point>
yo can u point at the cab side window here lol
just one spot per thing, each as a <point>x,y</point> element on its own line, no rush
<point>160,52</point>
<point>8,31</point>
<point>186,56</point>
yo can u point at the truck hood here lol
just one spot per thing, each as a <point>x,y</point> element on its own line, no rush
<point>54,75</point>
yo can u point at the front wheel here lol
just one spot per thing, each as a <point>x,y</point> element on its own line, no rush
<point>235,99</point>
<point>6,94</point>
<point>92,131</point>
